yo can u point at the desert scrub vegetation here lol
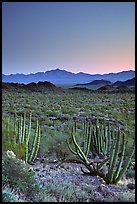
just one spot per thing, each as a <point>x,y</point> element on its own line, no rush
<point>57,111</point>
<point>71,102</point>
<point>56,114</point>
<point>18,175</point>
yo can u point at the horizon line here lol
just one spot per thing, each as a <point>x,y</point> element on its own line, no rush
<point>69,71</point>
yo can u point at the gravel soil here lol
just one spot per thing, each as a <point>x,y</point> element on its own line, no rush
<point>71,173</point>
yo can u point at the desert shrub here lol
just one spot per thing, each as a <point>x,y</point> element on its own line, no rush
<point>11,195</point>
<point>18,175</point>
<point>53,143</point>
<point>44,197</point>
<point>130,173</point>
<point>125,197</point>
<point>64,192</point>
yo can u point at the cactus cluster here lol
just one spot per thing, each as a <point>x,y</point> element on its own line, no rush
<point>21,139</point>
<point>101,136</point>
<point>100,139</point>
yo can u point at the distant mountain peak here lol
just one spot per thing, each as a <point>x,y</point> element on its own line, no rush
<point>60,76</point>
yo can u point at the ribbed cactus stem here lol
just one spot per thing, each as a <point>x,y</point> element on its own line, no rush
<point>37,145</point>
<point>106,138</point>
<point>122,172</point>
<point>79,151</point>
<point>29,130</point>
<point>115,157</point>
<point>122,157</point>
<point>111,160</point>
<point>109,139</point>
<point>8,128</point>
<point>20,129</point>
<point>88,141</point>
<point>101,139</point>
<point>27,149</point>
<point>92,144</point>
<point>27,139</point>
<point>34,144</point>
<point>15,126</point>
<point>102,163</point>
<point>85,136</point>
<point>24,128</point>
<point>95,140</point>
<point>70,148</point>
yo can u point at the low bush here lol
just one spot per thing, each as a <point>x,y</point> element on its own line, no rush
<point>19,176</point>
<point>11,195</point>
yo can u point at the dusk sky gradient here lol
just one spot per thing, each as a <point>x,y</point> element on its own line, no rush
<point>75,36</point>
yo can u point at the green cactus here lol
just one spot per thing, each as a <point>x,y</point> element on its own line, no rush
<point>114,145</point>
<point>27,139</point>
<point>21,143</point>
<point>36,143</point>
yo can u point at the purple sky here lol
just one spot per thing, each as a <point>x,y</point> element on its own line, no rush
<point>76,36</point>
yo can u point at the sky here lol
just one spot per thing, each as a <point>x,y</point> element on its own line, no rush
<point>89,37</point>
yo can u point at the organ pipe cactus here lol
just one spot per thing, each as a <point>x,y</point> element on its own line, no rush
<point>113,160</point>
<point>101,136</point>
<point>23,133</point>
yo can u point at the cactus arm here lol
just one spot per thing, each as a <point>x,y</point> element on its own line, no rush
<point>122,156</point>
<point>8,128</point>
<point>101,139</point>
<point>70,148</point>
<point>29,130</point>
<point>20,129</point>
<point>86,152</point>
<point>85,136</point>
<point>102,163</point>
<point>15,127</point>
<point>79,151</point>
<point>92,143</point>
<point>111,160</point>
<point>24,127</point>
<point>106,138</point>
<point>95,140</point>
<point>116,152</point>
<point>27,140</point>
<point>37,145</point>
<point>34,143</point>
<point>109,138</point>
<point>126,165</point>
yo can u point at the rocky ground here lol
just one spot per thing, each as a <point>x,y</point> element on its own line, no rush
<point>71,173</point>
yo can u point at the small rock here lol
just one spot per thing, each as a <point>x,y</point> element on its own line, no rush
<point>98,197</point>
<point>131,186</point>
<point>37,169</point>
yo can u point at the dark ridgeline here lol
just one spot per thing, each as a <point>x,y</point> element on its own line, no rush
<point>60,77</point>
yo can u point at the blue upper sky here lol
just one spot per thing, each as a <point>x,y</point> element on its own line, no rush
<point>76,36</point>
